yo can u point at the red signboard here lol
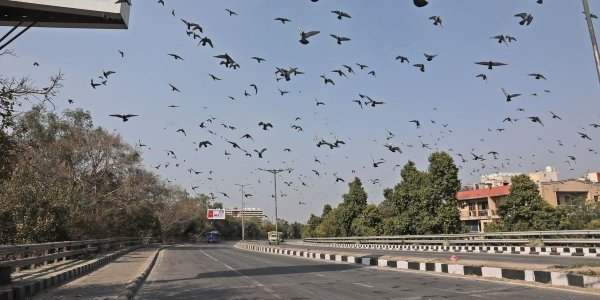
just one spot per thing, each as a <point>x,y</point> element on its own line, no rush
<point>215,214</point>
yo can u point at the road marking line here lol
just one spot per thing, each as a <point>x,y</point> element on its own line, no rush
<point>363,284</point>
<point>254,281</point>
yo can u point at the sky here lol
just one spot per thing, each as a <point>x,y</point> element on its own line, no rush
<point>556,44</point>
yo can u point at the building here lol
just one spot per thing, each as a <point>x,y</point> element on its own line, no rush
<point>478,206</point>
<point>248,212</point>
<point>549,174</point>
<point>569,192</point>
<point>497,179</point>
<point>593,177</point>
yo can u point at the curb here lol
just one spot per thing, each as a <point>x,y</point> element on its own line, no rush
<point>30,289</point>
<point>517,250</point>
<point>133,287</point>
<point>545,277</point>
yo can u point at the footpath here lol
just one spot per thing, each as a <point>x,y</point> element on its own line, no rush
<point>108,282</point>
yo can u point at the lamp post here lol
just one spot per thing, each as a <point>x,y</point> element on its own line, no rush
<point>242,211</point>
<point>590,25</point>
<point>275,172</point>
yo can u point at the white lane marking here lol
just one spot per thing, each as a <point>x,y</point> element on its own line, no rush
<point>210,256</point>
<point>363,285</point>
<point>320,275</point>
<point>252,280</point>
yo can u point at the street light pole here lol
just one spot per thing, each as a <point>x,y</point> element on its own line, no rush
<point>242,211</point>
<point>588,18</point>
<point>275,172</point>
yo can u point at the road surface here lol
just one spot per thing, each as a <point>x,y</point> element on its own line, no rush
<point>223,272</point>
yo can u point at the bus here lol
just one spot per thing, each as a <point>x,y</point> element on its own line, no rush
<point>212,236</point>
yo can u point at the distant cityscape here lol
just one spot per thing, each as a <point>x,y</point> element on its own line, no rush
<point>478,202</point>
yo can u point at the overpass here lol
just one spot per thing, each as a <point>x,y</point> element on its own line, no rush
<point>128,268</point>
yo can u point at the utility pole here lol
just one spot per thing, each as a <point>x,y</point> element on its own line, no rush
<point>275,172</point>
<point>243,210</point>
<point>588,18</point>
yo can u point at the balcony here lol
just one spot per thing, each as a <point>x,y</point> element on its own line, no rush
<point>477,214</point>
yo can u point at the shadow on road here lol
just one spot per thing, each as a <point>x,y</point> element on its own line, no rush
<point>278,270</point>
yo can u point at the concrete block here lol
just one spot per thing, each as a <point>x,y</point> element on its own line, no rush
<point>491,272</point>
<point>456,269</point>
<point>591,282</point>
<point>382,263</point>
<point>402,264</point>
<point>529,276</point>
<point>559,279</point>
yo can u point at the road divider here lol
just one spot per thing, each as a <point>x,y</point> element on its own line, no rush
<point>552,278</point>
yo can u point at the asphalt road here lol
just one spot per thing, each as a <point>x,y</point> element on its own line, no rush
<point>512,258</point>
<point>223,272</point>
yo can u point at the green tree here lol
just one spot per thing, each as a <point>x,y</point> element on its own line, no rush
<point>311,226</point>
<point>354,203</point>
<point>443,184</point>
<point>524,209</point>
<point>369,222</point>
<point>328,227</point>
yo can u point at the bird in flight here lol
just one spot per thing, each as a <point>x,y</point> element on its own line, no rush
<point>535,119</point>
<point>402,59</point>
<point>261,152</point>
<point>437,20</point>
<point>341,14</point>
<point>416,122</point>
<point>508,96</point>
<point>258,59</point>
<point>491,64</point>
<point>231,12</point>
<point>584,136</point>
<point>175,56</point>
<point>174,88</point>
<point>421,67</point>
<point>125,118</point>
<point>265,125</point>
<point>429,57</point>
<point>339,39</point>
<point>537,76</point>
<point>526,18</point>
<point>482,76</point>
<point>282,20</point>
<point>305,35</point>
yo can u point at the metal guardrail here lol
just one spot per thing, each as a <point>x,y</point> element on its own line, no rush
<point>31,256</point>
<point>563,237</point>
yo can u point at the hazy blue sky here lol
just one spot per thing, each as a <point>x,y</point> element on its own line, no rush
<point>556,44</point>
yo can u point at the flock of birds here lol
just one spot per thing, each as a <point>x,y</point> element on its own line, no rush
<point>242,144</point>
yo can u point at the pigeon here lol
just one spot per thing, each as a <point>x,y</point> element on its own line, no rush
<point>125,118</point>
<point>305,35</point>
<point>282,20</point>
<point>491,64</point>
<point>402,59</point>
<point>537,76</point>
<point>429,57</point>
<point>437,20</point>
<point>265,126</point>
<point>526,18</point>
<point>508,96</point>
<point>341,14</point>
<point>339,39</point>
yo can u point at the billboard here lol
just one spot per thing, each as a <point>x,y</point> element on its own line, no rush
<point>215,214</point>
<point>65,13</point>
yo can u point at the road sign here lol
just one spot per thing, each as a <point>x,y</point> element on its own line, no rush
<point>65,13</point>
<point>215,214</point>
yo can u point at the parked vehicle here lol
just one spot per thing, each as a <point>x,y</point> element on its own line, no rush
<point>275,237</point>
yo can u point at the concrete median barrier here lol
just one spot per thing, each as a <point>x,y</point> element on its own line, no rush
<point>551,278</point>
